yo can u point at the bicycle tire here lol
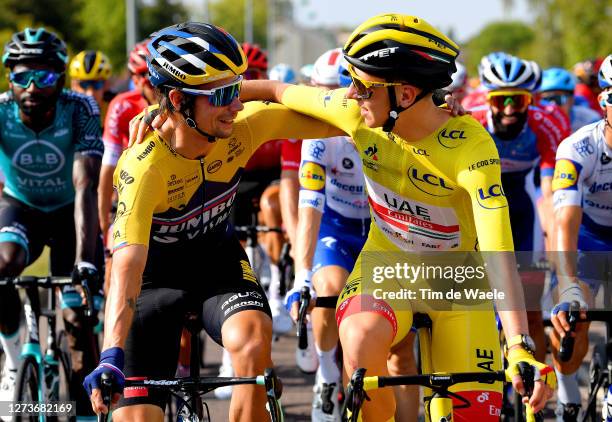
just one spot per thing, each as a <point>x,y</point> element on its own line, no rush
<point>26,386</point>
<point>599,362</point>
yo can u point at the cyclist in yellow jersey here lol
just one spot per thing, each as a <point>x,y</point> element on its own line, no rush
<point>174,250</point>
<point>90,71</point>
<point>433,182</point>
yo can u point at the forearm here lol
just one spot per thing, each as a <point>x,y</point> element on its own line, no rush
<point>105,197</point>
<point>503,276</point>
<point>289,191</point>
<point>126,280</point>
<point>86,223</point>
<point>264,90</point>
<point>309,222</point>
<point>566,236</point>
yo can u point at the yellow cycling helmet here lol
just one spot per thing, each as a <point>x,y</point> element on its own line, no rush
<point>402,48</point>
<point>90,65</point>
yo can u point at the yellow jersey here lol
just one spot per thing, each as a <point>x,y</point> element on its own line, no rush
<point>178,207</point>
<point>442,192</point>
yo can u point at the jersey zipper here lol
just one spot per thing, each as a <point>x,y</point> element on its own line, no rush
<point>203,193</point>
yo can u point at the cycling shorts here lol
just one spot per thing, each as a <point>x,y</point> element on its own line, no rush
<point>336,246</point>
<point>463,339</point>
<point>32,229</point>
<point>153,343</point>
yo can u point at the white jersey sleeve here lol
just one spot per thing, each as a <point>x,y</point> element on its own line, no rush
<point>312,173</point>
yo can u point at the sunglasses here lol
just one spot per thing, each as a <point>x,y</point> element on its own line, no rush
<point>558,99</point>
<point>95,85</point>
<point>517,99</point>
<point>606,99</point>
<point>218,97</point>
<point>364,87</point>
<point>41,78</point>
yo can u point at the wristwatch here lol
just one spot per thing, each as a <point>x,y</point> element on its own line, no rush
<point>521,339</point>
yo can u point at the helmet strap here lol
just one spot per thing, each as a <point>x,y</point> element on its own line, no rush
<point>187,111</point>
<point>396,109</point>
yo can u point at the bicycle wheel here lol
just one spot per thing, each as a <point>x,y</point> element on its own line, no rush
<point>27,386</point>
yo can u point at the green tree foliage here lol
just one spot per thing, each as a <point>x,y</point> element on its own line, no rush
<point>511,37</point>
<point>229,14</point>
<point>568,31</point>
<point>157,14</point>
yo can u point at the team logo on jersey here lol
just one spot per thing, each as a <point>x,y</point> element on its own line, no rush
<point>371,152</point>
<point>491,197</point>
<point>214,166</point>
<point>566,175</point>
<point>39,158</point>
<point>316,149</point>
<point>451,138</point>
<point>420,151</point>
<point>312,176</point>
<point>347,163</point>
<point>605,159</point>
<point>584,148</point>
<point>429,183</point>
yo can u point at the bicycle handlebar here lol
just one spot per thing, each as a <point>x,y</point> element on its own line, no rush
<point>527,373</point>
<point>302,329</point>
<point>566,349</point>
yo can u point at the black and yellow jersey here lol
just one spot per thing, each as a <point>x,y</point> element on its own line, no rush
<point>180,207</point>
<point>442,192</point>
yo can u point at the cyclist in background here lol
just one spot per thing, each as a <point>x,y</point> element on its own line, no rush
<point>290,163</point>
<point>334,220</point>
<point>459,86</point>
<point>587,88</point>
<point>582,186</point>
<point>51,153</point>
<point>525,136</point>
<point>558,88</point>
<point>116,127</point>
<point>89,73</point>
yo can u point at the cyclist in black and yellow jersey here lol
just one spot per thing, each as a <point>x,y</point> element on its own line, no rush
<point>433,183</point>
<point>174,250</point>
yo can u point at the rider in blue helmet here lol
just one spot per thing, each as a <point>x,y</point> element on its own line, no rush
<point>558,88</point>
<point>283,73</point>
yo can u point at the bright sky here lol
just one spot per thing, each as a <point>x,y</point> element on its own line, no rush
<point>465,17</point>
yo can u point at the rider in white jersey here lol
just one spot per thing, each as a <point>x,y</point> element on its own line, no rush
<point>333,223</point>
<point>582,186</point>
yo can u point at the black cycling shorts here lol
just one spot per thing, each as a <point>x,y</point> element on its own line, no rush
<point>227,285</point>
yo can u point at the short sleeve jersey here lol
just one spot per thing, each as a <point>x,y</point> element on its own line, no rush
<point>442,192</point>
<point>179,207</point>
<point>583,174</point>
<point>116,135</point>
<point>38,165</point>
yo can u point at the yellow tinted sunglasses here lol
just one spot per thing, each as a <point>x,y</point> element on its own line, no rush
<point>364,87</point>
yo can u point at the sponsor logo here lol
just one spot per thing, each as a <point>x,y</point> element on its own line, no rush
<point>483,163</point>
<point>370,165</point>
<point>403,205</point>
<point>316,149</point>
<point>327,98</point>
<point>312,176</point>
<point>371,152</point>
<point>490,197</point>
<point>314,203</point>
<point>125,177</point>
<point>566,175</point>
<point>383,52</point>
<point>121,209</point>
<point>214,166</point>
<point>347,188</point>
<point>247,271</point>
<point>604,159</point>
<point>429,183</point>
<point>420,151</point>
<point>176,72</point>
<point>146,151</point>
<point>600,187</point>
<point>39,158</point>
<point>584,148</point>
<point>235,148</point>
<point>450,138</point>
<point>174,181</point>
<point>242,295</point>
<point>347,163</point>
